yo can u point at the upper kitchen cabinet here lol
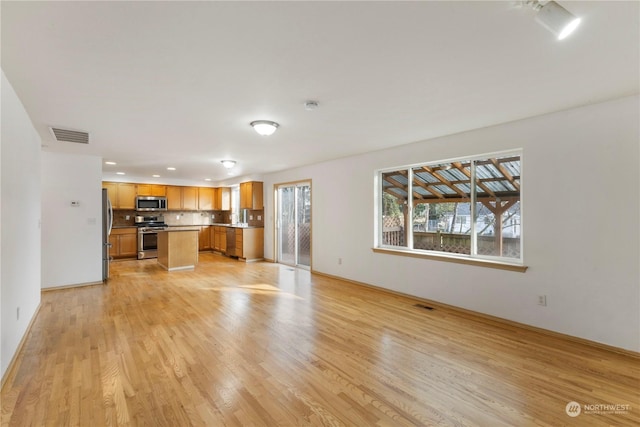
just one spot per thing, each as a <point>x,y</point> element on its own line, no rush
<point>112,191</point>
<point>223,199</point>
<point>182,198</point>
<point>206,198</point>
<point>121,194</point>
<point>190,198</point>
<point>251,195</point>
<point>152,190</point>
<point>174,197</point>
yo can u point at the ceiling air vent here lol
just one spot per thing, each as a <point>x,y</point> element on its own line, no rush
<point>67,135</point>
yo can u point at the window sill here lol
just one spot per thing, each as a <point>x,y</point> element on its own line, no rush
<point>455,259</point>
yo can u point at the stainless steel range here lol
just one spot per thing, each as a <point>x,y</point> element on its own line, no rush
<point>148,227</point>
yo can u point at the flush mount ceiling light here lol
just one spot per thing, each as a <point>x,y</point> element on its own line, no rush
<point>229,163</point>
<point>555,18</point>
<point>264,127</point>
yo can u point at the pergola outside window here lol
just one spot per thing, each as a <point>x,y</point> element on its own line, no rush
<point>469,207</point>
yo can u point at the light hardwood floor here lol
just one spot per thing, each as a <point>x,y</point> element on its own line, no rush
<point>235,344</point>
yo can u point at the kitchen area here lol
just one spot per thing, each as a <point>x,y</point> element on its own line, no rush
<point>142,219</point>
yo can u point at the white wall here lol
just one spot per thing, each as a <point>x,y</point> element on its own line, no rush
<point>19,226</point>
<point>581,211</point>
<point>71,236</point>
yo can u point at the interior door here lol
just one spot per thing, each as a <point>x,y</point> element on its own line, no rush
<point>293,228</point>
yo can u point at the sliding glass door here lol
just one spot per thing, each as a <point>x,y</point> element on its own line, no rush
<point>293,226</point>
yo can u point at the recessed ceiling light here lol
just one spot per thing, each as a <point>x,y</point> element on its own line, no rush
<point>170,168</point>
<point>207,179</point>
<point>110,163</point>
<point>156,176</point>
<point>120,173</point>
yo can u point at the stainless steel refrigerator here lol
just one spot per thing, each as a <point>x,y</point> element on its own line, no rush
<point>107,224</point>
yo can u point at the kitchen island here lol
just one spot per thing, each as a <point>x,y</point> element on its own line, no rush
<point>178,248</point>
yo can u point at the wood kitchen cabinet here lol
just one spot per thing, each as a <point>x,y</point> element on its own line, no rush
<point>151,190</point>
<point>250,244</point>
<point>112,191</point>
<point>174,197</point>
<point>219,239</point>
<point>124,242</point>
<point>206,198</point>
<point>182,198</point>
<point>190,198</point>
<point>223,199</point>
<point>121,194</point>
<point>251,195</point>
<point>238,249</point>
<point>204,238</point>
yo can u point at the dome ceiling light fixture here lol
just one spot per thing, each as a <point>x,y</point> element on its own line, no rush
<point>228,163</point>
<point>264,127</point>
<point>555,18</point>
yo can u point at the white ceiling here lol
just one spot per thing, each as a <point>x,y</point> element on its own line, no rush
<point>162,84</point>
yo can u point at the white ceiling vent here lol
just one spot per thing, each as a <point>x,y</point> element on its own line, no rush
<point>68,135</point>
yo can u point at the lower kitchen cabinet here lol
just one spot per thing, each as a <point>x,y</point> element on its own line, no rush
<point>124,242</point>
<point>245,243</point>
<point>204,238</point>
<point>219,239</point>
<point>250,243</point>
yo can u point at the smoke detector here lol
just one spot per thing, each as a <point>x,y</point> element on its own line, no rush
<point>310,105</point>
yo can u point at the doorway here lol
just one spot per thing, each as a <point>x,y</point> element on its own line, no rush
<point>293,224</point>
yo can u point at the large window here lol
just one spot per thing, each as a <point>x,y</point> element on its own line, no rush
<point>469,207</point>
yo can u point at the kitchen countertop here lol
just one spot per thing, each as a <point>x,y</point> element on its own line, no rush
<point>237,226</point>
<point>176,227</point>
<point>181,228</point>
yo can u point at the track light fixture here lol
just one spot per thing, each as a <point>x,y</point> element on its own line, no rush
<point>555,18</point>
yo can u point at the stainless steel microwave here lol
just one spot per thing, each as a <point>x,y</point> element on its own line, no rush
<point>151,203</point>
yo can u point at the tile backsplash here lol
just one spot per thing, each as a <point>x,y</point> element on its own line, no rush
<point>255,218</point>
<point>191,218</point>
<point>123,217</point>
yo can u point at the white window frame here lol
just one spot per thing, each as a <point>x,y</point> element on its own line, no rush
<point>515,264</point>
